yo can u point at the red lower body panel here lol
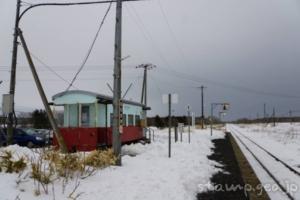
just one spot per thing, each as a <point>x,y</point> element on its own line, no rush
<point>87,139</point>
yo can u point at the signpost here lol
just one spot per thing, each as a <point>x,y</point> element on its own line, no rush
<point>169,99</point>
<point>180,129</point>
<point>189,123</point>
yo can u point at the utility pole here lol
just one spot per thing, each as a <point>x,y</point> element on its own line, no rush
<point>290,115</point>
<point>274,116</point>
<point>53,123</point>
<point>265,112</point>
<point>117,84</point>
<point>202,106</point>
<point>170,123</point>
<point>211,118</point>
<point>189,123</point>
<point>144,96</point>
<point>13,75</point>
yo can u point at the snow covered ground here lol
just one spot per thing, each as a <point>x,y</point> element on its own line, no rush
<point>147,173</point>
<point>283,141</point>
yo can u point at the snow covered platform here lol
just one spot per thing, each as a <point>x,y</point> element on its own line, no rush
<point>147,173</point>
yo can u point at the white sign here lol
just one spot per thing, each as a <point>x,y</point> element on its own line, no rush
<point>180,127</point>
<point>7,103</point>
<point>193,120</point>
<point>165,98</point>
<point>174,98</point>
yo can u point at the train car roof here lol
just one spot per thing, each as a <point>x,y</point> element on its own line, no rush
<point>82,96</point>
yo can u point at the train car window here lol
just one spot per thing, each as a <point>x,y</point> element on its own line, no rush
<point>130,120</point>
<point>137,120</point>
<point>85,116</point>
<point>124,120</point>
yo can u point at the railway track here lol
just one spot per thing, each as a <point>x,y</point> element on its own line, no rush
<point>273,166</point>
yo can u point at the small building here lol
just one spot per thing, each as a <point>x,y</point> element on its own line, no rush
<point>88,120</point>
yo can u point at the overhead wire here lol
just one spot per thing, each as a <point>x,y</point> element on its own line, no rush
<point>90,48</point>
<point>173,36</point>
<point>181,75</point>
<point>50,69</point>
<point>81,79</point>
<point>145,32</point>
<point>69,67</point>
<point>190,77</point>
<point>156,85</point>
<point>197,79</point>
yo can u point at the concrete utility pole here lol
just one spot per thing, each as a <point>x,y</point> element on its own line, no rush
<point>13,75</point>
<point>189,123</point>
<point>53,123</point>
<point>211,118</point>
<point>202,107</point>
<point>117,85</point>
<point>274,116</point>
<point>265,112</point>
<point>144,96</point>
<point>170,122</point>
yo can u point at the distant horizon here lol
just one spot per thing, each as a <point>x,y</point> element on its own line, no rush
<point>244,59</point>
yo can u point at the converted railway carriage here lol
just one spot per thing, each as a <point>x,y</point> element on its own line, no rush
<point>88,120</point>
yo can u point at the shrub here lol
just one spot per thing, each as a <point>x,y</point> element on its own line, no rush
<point>9,165</point>
<point>100,159</point>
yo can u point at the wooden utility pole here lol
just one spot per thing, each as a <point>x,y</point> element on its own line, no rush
<point>13,75</point>
<point>117,84</point>
<point>53,123</point>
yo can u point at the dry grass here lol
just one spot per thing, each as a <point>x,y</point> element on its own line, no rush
<point>100,159</point>
<point>46,166</point>
<point>9,165</point>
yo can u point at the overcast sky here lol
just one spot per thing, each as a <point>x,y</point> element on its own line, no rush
<point>245,52</point>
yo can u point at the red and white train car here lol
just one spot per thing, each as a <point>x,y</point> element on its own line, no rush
<point>88,120</point>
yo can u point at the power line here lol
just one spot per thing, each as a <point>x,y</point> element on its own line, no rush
<point>81,79</point>
<point>175,41</point>
<point>69,67</point>
<point>197,79</point>
<point>146,34</point>
<point>157,86</point>
<point>67,4</point>
<point>50,69</point>
<point>91,47</point>
<point>190,77</point>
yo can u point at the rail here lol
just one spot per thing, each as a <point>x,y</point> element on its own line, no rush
<point>237,135</point>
